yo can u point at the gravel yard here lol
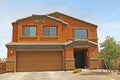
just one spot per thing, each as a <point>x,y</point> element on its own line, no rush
<point>60,75</point>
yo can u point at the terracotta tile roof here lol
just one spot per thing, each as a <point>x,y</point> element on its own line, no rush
<point>32,43</point>
<point>72,18</point>
<point>57,19</point>
<point>62,44</point>
<point>41,16</point>
<point>81,41</point>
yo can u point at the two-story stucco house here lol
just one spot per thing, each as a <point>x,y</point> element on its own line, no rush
<point>54,41</point>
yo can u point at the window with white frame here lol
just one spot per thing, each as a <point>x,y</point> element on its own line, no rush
<point>81,33</point>
<point>29,31</point>
<point>50,31</point>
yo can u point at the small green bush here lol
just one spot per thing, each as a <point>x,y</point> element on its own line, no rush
<point>77,71</point>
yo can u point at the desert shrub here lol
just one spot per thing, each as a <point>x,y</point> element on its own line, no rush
<point>77,71</point>
<point>2,64</point>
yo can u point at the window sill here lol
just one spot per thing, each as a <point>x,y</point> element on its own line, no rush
<point>29,37</point>
<point>50,37</point>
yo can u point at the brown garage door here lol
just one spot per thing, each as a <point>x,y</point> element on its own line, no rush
<point>39,61</point>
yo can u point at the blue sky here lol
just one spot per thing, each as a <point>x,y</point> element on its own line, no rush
<point>104,13</point>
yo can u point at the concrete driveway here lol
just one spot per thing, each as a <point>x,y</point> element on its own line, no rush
<point>59,75</point>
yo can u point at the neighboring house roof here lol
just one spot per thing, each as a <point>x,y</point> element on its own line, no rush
<point>41,16</point>
<point>72,18</point>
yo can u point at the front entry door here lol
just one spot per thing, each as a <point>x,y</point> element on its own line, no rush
<point>79,59</point>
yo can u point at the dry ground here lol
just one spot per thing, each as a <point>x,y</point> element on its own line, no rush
<point>61,75</point>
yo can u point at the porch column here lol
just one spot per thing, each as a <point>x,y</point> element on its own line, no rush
<point>11,61</point>
<point>93,61</point>
<point>69,58</point>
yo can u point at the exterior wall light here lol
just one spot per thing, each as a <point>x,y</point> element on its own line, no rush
<point>11,52</point>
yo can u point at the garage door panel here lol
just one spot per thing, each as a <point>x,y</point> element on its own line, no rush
<point>38,58</point>
<point>31,54</point>
<point>48,65</point>
<point>36,54</point>
<point>39,61</point>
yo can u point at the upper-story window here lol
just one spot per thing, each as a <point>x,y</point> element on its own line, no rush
<point>29,31</point>
<point>81,33</point>
<point>50,31</point>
